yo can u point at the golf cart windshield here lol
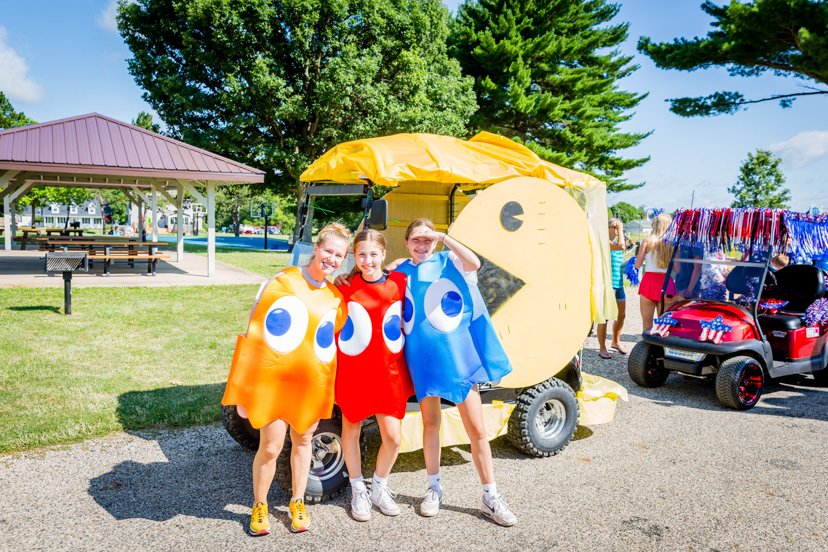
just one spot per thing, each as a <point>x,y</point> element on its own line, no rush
<point>718,276</point>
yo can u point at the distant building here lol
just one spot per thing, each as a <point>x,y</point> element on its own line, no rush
<point>88,215</point>
<point>641,227</point>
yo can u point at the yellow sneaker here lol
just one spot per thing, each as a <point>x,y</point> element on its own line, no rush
<point>259,523</point>
<point>300,521</point>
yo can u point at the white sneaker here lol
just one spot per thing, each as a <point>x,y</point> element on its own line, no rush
<point>360,505</point>
<point>430,505</point>
<point>498,511</point>
<point>384,500</point>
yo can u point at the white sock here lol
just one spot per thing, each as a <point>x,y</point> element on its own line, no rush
<point>489,491</point>
<point>378,483</point>
<point>357,484</point>
<point>434,482</point>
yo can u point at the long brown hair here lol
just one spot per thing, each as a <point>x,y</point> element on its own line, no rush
<point>366,235</point>
<point>417,223</point>
<point>333,230</point>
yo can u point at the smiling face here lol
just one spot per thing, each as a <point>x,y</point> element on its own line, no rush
<point>327,257</point>
<point>420,244</point>
<point>369,257</point>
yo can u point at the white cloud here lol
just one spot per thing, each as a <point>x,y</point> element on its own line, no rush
<point>106,19</point>
<point>15,81</point>
<point>803,148</point>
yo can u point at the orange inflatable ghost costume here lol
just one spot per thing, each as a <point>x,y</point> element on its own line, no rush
<point>284,368</point>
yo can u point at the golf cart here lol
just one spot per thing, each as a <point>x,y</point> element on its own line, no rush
<point>499,199</point>
<point>736,319</point>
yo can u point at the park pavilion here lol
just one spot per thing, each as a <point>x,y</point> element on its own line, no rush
<point>93,151</point>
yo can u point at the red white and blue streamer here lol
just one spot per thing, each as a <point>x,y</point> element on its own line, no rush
<point>714,330</point>
<point>817,313</point>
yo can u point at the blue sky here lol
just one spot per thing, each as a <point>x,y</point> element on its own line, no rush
<point>75,64</point>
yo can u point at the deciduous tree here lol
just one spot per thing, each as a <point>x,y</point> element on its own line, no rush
<point>760,183</point>
<point>784,37</point>
<point>9,118</point>
<point>546,74</point>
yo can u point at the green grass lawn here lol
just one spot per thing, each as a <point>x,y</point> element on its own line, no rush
<point>259,261</point>
<point>127,358</point>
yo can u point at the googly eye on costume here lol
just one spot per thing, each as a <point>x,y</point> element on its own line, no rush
<point>443,304</point>
<point>324,344</point>
<point>356,334</point>
<point>286,323</point>
<point>408,311</point>
<point>391,331</point>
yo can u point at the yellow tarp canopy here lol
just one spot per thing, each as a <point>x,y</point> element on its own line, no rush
<point>484,160</point>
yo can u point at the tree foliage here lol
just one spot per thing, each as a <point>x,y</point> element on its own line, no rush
<point>546,75</point>
<point>9,118</point>
<point>626,212</point>
<point>760,183</point>
<point>785,37</point>
<point>276,83</point>
<point>144,120</point>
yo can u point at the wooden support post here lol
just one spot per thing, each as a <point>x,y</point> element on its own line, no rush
<point>211,230</point>
<point>154,216</point>
<point>179,224</point>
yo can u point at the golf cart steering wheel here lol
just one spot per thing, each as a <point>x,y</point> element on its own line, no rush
<point>770,281</point>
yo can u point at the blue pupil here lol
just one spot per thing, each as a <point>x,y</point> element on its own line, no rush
<point>392,327</point>
<point>278,322</point>
<point>451,303</point>
<point>408,312</point>
<point>325,335</point>
<point>348,331</point>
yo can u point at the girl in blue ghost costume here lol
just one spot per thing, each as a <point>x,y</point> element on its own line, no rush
<point>450,347</point>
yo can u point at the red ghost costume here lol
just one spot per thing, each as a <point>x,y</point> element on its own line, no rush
<point>372,377</point>
<point>284,368</point>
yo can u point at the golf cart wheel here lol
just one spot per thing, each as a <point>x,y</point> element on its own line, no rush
<point>739,382</point>
<point>644,368</point>
<point>239,428</point>
<point>545,418</point>
<point>328,476</point>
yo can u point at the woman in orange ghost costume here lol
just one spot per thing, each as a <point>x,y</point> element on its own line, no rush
<point>284,369</point>
<point>372,377</point>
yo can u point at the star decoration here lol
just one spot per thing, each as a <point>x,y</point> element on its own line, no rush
<point>662,325</point>
<point>714,330</point>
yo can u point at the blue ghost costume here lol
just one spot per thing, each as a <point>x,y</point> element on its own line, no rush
<point>451,343</point>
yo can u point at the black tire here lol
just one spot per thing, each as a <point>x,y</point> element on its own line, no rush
<point>644,368</point>
<point>545,418</point>
<point>329,475</point>
<point>239,428</point>
<point>739,382</point>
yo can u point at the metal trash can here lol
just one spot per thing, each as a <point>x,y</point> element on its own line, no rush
<point>67,262</point>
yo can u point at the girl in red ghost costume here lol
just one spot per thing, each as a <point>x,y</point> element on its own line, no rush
<point>372,377</point>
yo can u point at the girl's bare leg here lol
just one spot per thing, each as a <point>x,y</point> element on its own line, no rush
<point>389,427</point>
<point>300,459</point>
<point>618,325</point>
<point>350,447</point>
<point>431,412</point>
<point>271,440</point>
<point>471,412</point>
<point>648,308</point>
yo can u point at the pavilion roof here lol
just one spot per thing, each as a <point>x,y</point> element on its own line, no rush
<point>100,150</point>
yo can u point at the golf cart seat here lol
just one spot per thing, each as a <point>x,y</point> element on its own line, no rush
<point>783,322</point>
<point>800,285</point>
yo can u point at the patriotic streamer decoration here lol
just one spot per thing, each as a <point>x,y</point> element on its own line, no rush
<point>772,305</point>
<point>652,213</point>
<point>662,325</point>
<point>631,272</point>
<point>817,313</point>
<point>717,292</point>
<point>747,230</point>
<point>714,330</point>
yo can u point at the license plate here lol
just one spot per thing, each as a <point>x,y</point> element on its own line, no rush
<point>812,331</point>
<point>683,355</point>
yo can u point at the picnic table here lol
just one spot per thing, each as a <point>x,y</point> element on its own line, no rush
<point>110,251</point>
<point>25,239</point>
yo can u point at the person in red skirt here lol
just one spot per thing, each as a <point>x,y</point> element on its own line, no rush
<point>372,377</point>
<point>654,254</point>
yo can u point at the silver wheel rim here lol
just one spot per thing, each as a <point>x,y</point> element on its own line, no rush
<point>327,459</point>
<point>550,418</point>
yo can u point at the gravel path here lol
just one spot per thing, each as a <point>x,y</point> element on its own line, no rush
<point>673,471</point>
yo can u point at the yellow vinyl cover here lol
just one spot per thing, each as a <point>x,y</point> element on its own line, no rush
<point>486,159</point>
<point>596,403</point>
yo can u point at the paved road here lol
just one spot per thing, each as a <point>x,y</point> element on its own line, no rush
<point>673,471</point>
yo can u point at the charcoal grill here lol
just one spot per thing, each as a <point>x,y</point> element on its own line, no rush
<point>67,262</point>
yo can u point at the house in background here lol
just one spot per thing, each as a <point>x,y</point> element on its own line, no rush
<point>54,215</point>
<point>640,227</point>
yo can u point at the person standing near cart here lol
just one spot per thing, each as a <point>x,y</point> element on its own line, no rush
<point>617,248</point>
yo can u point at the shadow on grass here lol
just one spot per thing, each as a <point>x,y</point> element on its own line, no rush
<point>205,473</point>
<point>35,308</point>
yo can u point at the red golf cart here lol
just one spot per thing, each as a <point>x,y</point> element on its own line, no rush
<point>736,319</point>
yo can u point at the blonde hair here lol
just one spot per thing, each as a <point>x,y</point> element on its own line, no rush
<point>612,221</point>
<point>367,235</point>
<point>334,230</point>
<point>661,251</point>
<point>417,223</point>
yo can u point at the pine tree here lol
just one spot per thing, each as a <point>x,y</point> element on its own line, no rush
<point>546,75</point>
<point>760,183</point>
